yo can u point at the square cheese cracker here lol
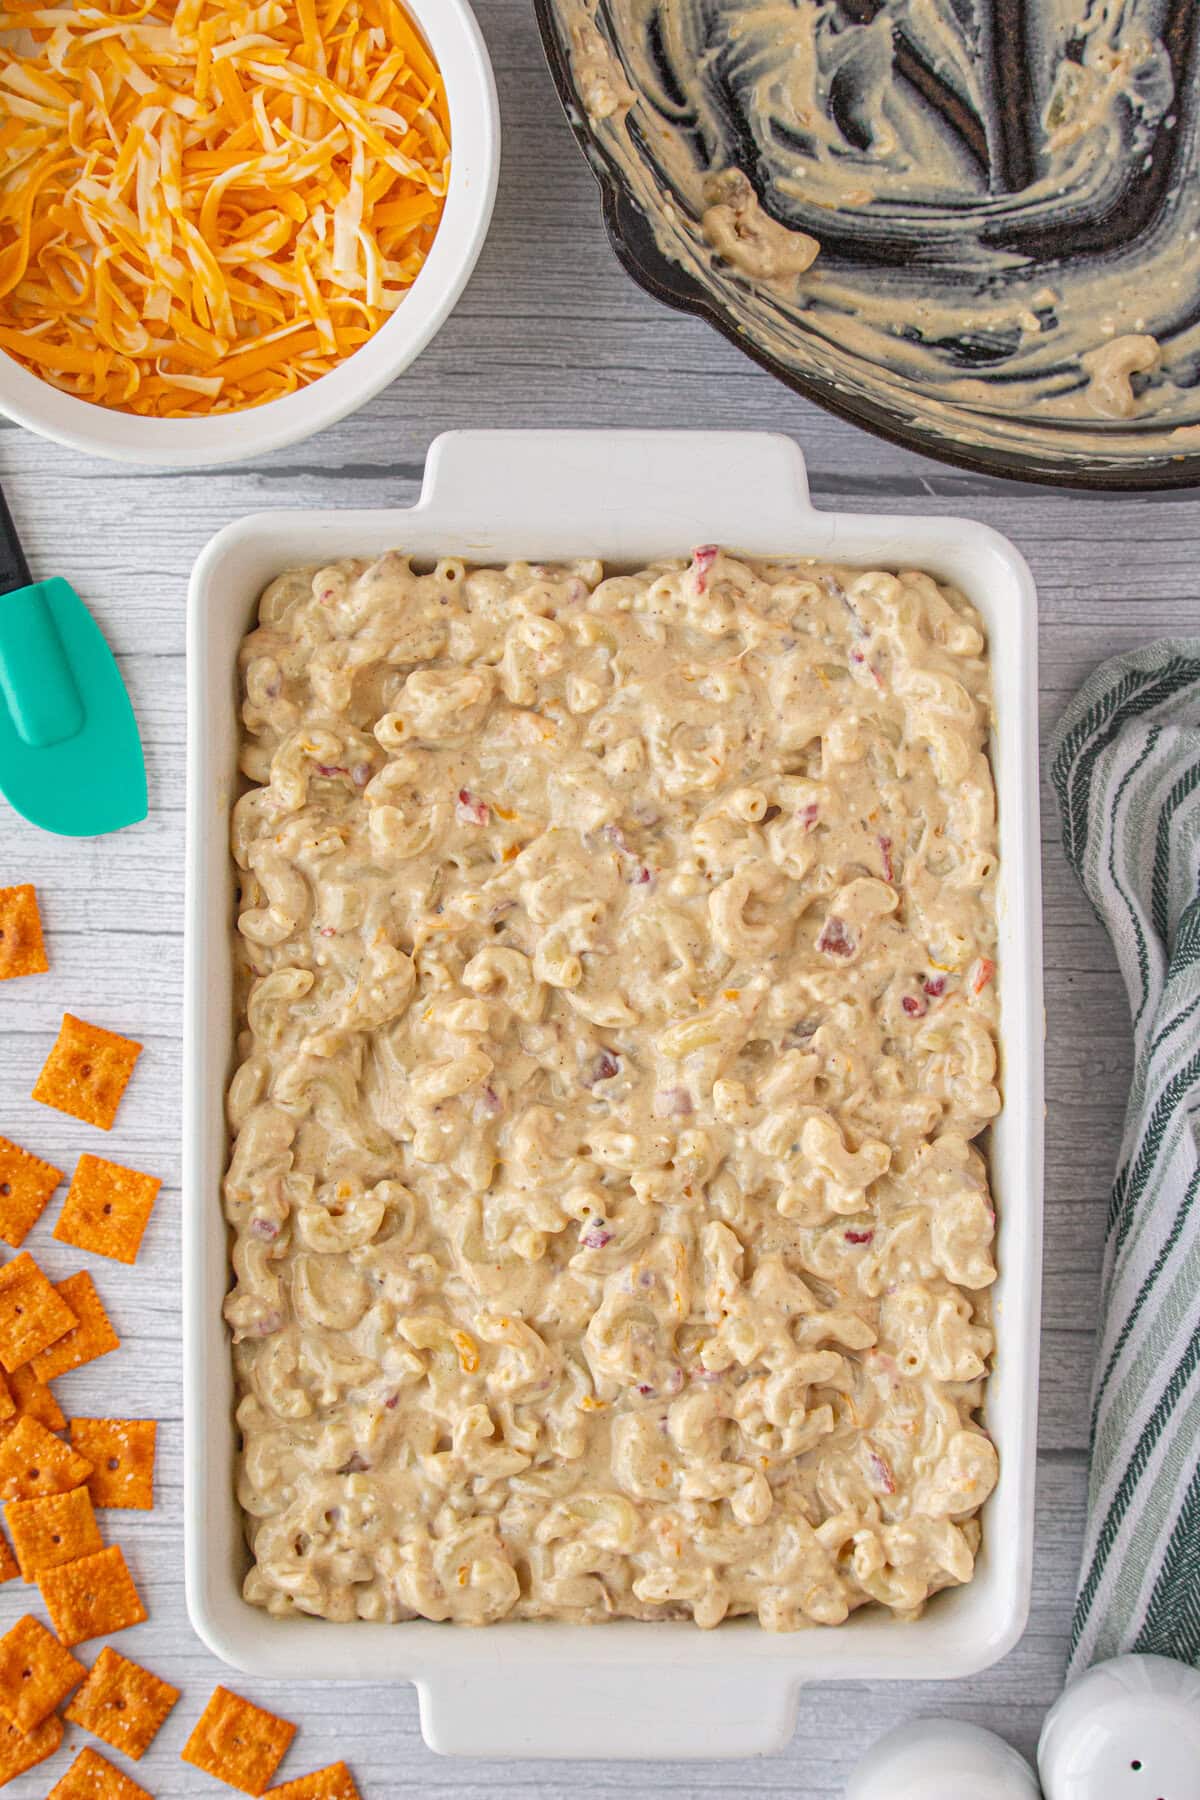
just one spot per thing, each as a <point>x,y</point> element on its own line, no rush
<point>36,1673</point>
<point>33,1314</point>
<point>33,1461</point>
<point>121,1452</point>
<point>52,1529</point>
<point>26,1184</point>
<point>87,1072</point>
<point>107,1208</point>
<point>22,950</point>
<point>92,1777</point>
<point>238,1742</point>
<point>122,1703</point>
<point>92,1336</point>
<point>91,1597</point>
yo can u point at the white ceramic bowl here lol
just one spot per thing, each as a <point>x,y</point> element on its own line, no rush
<point>623,1689</point>
<point>454,37</point>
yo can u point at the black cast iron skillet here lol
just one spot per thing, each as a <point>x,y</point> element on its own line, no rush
<point>1135,210</point>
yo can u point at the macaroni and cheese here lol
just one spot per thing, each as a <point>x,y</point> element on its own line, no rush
<point>618,1008</point>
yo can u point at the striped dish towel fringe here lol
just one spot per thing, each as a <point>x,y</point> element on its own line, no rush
<point>1125,765</point>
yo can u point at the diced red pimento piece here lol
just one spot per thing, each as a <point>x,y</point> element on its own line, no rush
<point>916,1009</point>
<point>835,939</point>
<point>883,1475</point>
<point>859,1237</point>
<point>885,851</point>
<point>702,561</point>
<point>935,986</point>
<point>469,810</point>
<point>982,973</point>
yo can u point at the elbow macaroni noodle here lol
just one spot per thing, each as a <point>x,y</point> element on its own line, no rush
<point>615,978</point>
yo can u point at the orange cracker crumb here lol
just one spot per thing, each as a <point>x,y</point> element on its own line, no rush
<point>36,1673</point>
<point>9,1567</point>
<point>33,1461</point>
<point>34,1397</point>
<point>91,1597</point>
<point>122,1703</point>
<point>92,1777</point>
<point>87,1072</point>
<point>238,1742</point>
<point>121,1452</point>
<point>334,1783</point>
<point>92,1337</point>
<point>53,1529</point>
<point>32,1313</point>
<point>107,1208</point>
<point>22,951</point>
<point>26,1184</point>
<point>20,1751</point>
<point>8,1406</point>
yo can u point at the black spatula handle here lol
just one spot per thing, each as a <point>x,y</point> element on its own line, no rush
<point>14,570</point>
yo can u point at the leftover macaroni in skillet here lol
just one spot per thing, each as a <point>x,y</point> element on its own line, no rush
<point>618,1008</point>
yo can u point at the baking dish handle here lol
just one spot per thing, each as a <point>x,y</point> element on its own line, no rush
<point>597,1710</point>
<point>688,487</point>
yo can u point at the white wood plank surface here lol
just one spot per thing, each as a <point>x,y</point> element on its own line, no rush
<point>550,332</point>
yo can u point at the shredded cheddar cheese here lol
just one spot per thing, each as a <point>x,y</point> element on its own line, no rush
<point>204,207</point>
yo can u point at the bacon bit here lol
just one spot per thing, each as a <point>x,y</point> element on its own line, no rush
<point>641,877</point>
<point>264,1228</point>
<point>469,810</point>
<point>885,851</point>
<point>807,815</point>
<point>604,1067</point>
<point>392,1402</point>
<point>835,940</point>
<point>881,1472</point>
<point>644,1389</point>
<point>672,1103</point>
<point>330,769</point>
<point>702,561</point>
<point>916,1009</point>
<point>935,986</point>
<point>857,657</point>
<point>859,1237</point>
<point>595,1239</point>
<point>983,971</point>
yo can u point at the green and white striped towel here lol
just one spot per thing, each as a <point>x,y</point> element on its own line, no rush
<point>1125,764</point>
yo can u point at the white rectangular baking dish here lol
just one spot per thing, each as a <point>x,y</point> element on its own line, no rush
<point>626,1689</point>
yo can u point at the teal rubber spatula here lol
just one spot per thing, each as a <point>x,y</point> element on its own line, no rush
<point>70,755</point>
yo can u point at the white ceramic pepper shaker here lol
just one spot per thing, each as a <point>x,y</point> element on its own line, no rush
<point>1128,1729</point>
<point>942,1759</point>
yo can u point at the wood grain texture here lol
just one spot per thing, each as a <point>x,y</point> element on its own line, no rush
<point>550,332</point>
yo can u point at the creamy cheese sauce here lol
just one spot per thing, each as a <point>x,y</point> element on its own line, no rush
<point>997,195</point>
<point>618,1008</point>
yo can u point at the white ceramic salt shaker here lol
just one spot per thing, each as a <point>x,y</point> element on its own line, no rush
<point>1128,1729</point>
<point>942,1759</point>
